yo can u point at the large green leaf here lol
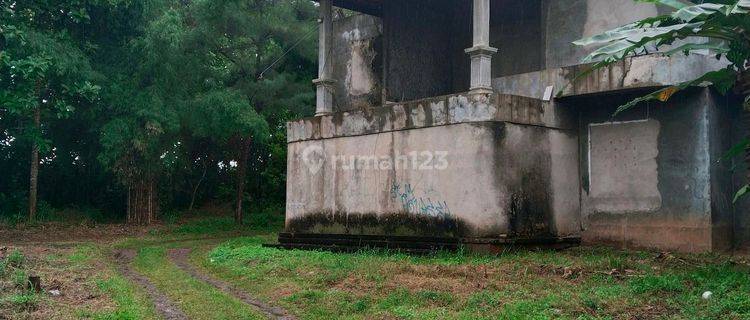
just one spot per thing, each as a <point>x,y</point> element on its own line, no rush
<point>629,41</point>
<point>737,149</point>
<point>691,13</point>
<point>677,4</point>
<point>742,7</point>
<point>716,46</point>
<point>633,32</point>
<point>743,192</point>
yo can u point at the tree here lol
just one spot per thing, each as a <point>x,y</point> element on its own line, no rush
<point>44,72</point>
<point>721,26</point>
<point>157,105</point>
<point>257,50</point>
<point>207,73</point>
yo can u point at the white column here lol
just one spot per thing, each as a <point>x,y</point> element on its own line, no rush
<point>324,83</point>
<point>481,53</point>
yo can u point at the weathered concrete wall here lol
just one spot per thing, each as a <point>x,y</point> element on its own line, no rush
<point>652,187</point>
<point>722,114</point>
<point>570,20</point>
<point>516,31</point>
<point>649,71</point>
<point>473,176</point>
<point>741,175</point>
<point>513,162</point>
<point>438,111</point>
<point>358,62</point>
<point>423,40</point>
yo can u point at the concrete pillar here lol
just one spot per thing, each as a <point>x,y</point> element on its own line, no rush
<point>324,83</point>
<point>481,52</point>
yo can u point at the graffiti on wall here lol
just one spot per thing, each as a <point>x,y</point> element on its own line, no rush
<point>411,203</point>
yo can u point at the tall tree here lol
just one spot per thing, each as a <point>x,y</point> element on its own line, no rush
<point>258,48</point>
<point>210,71</point>
<point>44,73</point>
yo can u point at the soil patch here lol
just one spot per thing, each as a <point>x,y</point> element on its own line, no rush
<point>67,235</point>
<point>163,304</point>
<point>180,258</point>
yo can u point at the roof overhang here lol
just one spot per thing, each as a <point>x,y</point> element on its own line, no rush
<point>371,7</point>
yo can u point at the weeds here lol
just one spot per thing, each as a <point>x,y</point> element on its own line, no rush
<point>11,268</point>
<point>15,259</point>
<point>460,285</point>
<point>20,279</point>
<point>25,300</point>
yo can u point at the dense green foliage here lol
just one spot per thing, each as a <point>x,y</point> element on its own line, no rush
<point>721,27</point>
<point>166,90</point>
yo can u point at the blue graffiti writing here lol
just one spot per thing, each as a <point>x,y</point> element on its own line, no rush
<point>418,205</point>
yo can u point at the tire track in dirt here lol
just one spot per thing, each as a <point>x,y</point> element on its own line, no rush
<point>180,258</point>
<point>164,306</point>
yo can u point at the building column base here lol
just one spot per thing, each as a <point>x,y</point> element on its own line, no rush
<point>481,68</point>
<point>324,99</point>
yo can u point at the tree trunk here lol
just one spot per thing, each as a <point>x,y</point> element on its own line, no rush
<point>197,185</point>
<point>34,170</point>
<point>142,201</point>
<point>244,149</point>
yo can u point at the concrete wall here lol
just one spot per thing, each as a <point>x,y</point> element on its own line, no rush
<point>474,176</point>
<point>516,167</point>
<point>741,175</point>
<point>653,181</point>
<point>358,62</point>
<point>722,113</point>
<point>423,40</point>
<point>651,71</point>
<point>423,44</point>
<point>516,30</point>
<point>570,20</point>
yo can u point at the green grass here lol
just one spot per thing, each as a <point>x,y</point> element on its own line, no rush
<point>131,304</point>
<point>15,258</point>
<point>197,299</point>
<point>15,299</point>
<point>583,283</point>
<point>26,299</point>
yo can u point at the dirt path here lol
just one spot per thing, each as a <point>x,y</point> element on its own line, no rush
<point>163,304</point>
<point>180,258</point>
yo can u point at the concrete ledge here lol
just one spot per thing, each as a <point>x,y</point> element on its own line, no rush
<point>645,232</point>
<point>650,71</point>
<point>431,112</point>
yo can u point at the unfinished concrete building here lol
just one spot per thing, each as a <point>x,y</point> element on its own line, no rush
<point>437,124</point>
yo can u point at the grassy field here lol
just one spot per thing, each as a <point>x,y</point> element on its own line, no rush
<point>580,283</point>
